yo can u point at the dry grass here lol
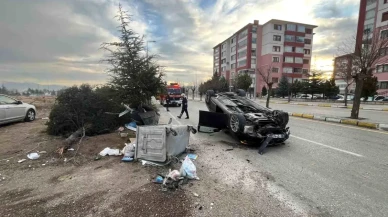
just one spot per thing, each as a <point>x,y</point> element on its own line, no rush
<point>40,102</point>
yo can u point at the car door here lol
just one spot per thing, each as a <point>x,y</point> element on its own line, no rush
<point>13,110</point>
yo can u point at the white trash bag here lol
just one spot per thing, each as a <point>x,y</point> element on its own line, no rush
<point>188,169</point>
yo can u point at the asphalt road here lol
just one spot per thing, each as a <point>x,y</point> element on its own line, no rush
<point>328,169</point>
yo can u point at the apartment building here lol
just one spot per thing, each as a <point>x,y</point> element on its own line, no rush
<point>373,18</point>
<point>284,47</point>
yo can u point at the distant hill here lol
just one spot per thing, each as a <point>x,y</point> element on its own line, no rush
<point>25,85</point>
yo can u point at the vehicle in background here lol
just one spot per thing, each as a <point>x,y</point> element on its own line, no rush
<point>175,91</point>
<point>379,98</point>
<point>385,99</point>
<point>342,98</point>
<point>307,96</point>
<point>373,98</point>
<point>13,110</point>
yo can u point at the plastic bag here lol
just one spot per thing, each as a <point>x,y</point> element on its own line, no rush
<point>33,156</point>
<point>188,169</point>
<point>174,175</point>
<point>109,151</point>
<point>129,150</point>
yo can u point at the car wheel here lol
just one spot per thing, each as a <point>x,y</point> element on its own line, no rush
<point>30,116</point>
<point>236,123</point>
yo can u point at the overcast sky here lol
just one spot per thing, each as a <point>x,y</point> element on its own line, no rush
<point>57,41</point>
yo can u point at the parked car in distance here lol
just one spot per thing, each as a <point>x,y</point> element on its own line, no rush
<point>307,96</point>
<point>385,99</point>
<point>379,98</point>
<point>13,110</point>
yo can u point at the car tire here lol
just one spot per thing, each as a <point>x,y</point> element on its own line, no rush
<point>236,123</point>
<point>30,116</point>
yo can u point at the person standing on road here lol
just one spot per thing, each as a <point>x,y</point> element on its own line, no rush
<point>184,106</point>
<point>168,101</point>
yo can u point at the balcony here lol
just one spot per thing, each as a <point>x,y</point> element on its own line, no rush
<point>288,32</point>
<point>293,54</point>
<point>293,65</point>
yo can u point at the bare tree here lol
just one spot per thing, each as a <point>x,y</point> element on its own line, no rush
<point>265,74</point>
<point>364,59</point>
<point>343,70</point>
<point>193,90</point>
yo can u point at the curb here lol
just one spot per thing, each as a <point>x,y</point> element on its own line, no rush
<point>330,105</point>
<point>364,124</point>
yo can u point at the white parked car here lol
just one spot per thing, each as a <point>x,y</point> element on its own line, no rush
<point>13,110</point>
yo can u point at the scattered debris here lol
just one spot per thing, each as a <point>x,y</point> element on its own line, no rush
<point>188,169</point>
<point>229,149</point>
<point>45,152</point>
<point>70,149</point>
<point>129,150</point>
<point>211,204</point>
<point>127,159</point>
<point>120,129</point>
<point>244,142</point>
<point>123,135</point>
<point>46,118</point>
<point>65,159</point>
<point>159,180</point>
<point>110,152</point>
<point>43,164</point>
<point>151,163</point>
<point>21,161</point>
<point>33,156</point>
<point>195,194</point>
<point>98,157</point>
<point>64,177</point>
<point>249,161</point>
<point>131,126</point>
<point>192,156</point>
<point>200,208</point>
<point>174,175</point>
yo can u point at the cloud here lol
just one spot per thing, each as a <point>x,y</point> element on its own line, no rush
<point>58,41</point>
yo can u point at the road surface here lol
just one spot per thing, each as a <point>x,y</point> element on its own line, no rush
<point>326,168</point>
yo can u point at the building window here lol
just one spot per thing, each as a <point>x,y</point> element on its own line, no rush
<point>233,57</point>
<point>277,38</point>
<point>297,70</point>
<point>223,61</point>
<point>385,1</point>
<point>290,38</point>
<point>307,51</point>
<point>223,68</point>
<point>287,70</point>
<point>275,80</point>
<point>299,50</point>
<point>291,27</point>
<point>384,17</point>
<point>370,14</point>
<point>306,61</point>
<point>275,59</point>
<point>242,54</point>
<point>383,51</point>
<point>298,60</point>
<point>223,46</point>
<point>287,49</point>
<point>289,59</point>
<point>277,27</point>
<point>276,48</point>
<point>305,71</point>
<point>383,85</point>
<point>242,63</point>
<point>382,68</point>
<point>254,40</point>
<point>368,28</point>
<point>254,29</point>
<point>307,41</point>
<point>301,28</point>
<point>223,53</point>
<point>233,39</point>
<point>253,53</point>
<point>233,49</point>
<point>253,61</point>
<point>369,2</point>
<point>243,34</point>
<point>233,66</point>
<point>299,39</point>
<point>242,43</point>
<point>384,34</point>
<point>275,70</point>
<point>309,31</point>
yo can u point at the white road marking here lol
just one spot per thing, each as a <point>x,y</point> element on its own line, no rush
<point>328,146</point>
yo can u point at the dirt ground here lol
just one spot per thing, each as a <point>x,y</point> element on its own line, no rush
<point>56,185</point>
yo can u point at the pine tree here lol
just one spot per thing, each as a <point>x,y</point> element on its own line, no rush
<point>283,87</point>
<point>264,91</point>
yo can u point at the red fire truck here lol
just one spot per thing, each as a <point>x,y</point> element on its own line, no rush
<point>175,91</point>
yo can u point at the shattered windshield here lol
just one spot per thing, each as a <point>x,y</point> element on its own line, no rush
<point>175,91</point>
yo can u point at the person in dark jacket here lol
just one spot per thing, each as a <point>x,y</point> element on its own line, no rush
<point>184,106</point>
<point>168,101</point>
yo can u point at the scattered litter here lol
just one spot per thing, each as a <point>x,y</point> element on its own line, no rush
<point>248,161</point>
<point>110,152</point>
<point>64,177</point>
<point>42,152</point>
<point>150,163</point>
<point>120,129</point>
<point>200,208</point>
<point>189,149</point>
<point>21,161</point>
<point>211,204</point>
<point>192,156</point>
<point>188,169</point>
<point>244,142</point>
<point>127,159</point>
<point>33,156</point>
<point>98,157</point>
<point>195,194</point>
<point>29,165</point>
<point>43,164</point>
<point>131,126</point>
<point>129,150</point>
<point>46,118</point>
<point>65,159</point>
<point>229,149</point>
<point>123,135</point>
<point>174,175</point>
<point>159,180</point>
<point>70,149</point>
